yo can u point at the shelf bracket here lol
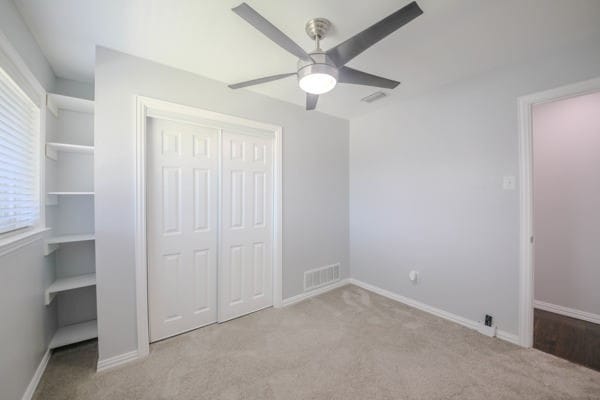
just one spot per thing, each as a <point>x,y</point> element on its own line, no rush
<point>50,248</point>
<point>51,153</point>
<point>51,106</point>
<point>49,297</point>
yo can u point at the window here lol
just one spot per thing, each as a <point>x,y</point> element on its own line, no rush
<point>19,157</point>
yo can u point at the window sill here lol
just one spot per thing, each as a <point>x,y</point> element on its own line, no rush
<point>15,242</point>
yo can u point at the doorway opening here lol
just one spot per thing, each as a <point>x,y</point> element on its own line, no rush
<point>560,190</point>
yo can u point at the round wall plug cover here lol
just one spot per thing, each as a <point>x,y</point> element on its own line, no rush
<point>413,276</point>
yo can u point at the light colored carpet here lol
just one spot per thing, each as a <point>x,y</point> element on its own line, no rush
<point>346,344</point>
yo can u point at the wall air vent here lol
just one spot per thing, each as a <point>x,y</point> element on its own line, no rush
<point>373,97</point>
<point>315,278</point>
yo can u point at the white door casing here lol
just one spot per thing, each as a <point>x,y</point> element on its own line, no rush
<point>246,242</point>
<point>526,239</point>
<point>182,226</point>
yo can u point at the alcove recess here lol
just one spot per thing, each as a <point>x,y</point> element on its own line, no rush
<point>69,150</point>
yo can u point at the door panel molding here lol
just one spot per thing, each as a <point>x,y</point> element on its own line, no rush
<point>245,279</point>
<point>181,200</point>
<point>149,107</point>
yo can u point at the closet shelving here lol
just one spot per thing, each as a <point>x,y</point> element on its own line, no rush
<point>69,283</point>
<point>53,243</point>
<point>52,197</point>
<point>69,200</point>
<point>53,149</point>
<point>56,102</point>
<point>74,333</point>
<point>71,193</point>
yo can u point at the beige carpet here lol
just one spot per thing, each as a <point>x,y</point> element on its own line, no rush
<point>345,344</point>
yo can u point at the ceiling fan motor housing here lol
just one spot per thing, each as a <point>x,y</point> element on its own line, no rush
<point>322,65</point>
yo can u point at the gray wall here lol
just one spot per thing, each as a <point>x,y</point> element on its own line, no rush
<point>68,87</point>
<point>426,188</point>
<point>315,173</point>
<point>18,34</point>
<point>25,273</point>
<point>566,156</point>
<point>27,324</point>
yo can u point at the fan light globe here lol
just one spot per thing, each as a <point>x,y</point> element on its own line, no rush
<point>317,78</point>
<point>318,83</point>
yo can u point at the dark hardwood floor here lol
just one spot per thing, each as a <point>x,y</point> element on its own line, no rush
<point>569,338</point>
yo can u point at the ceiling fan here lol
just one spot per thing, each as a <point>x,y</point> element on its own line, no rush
<point>319,71</point>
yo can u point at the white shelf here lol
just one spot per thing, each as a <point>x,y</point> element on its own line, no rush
<point>51,244</point>
<point>52,197</point>
<point>53,148</point>
<point>71,193</point>
<point>57,102</point>
<point>74,333</point>
<point>70,283</point>
<point>71,238</point>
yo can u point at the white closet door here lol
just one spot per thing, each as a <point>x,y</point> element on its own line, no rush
<point>181,227</point>
<point>246,265</point>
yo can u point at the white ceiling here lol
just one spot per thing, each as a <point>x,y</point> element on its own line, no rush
<point>453,39</point>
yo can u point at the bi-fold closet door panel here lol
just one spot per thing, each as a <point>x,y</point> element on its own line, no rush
<point>182,226</point>
<point>246,265</point>
<point>209,256</point>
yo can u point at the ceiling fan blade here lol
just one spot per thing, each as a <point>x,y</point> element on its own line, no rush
<point>260,80</point>
<point>346,51</point>
<point>270,30</point>
<point>311,101</point>
<point>353,76</point>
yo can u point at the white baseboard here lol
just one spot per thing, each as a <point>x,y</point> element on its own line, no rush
<point>509,337</point>
<point>567,312</point>
<point>306,295</point>
<point>33,384</point>
<point>116,361</point>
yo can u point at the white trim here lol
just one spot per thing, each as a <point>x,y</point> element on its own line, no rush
<point>23,69</point>
<point>118,360</point>
<point>307,295</point>
<point>37,376</point>
<point>15,241</point>
<point>567,312</point>
<point>509,337</point>
<point>526,262</point>
<point>146,107</point>
<point>141,261</point>
<point>278,220</point>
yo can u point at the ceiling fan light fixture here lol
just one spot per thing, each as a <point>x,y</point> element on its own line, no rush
<point>320,71</point>
<point>317,78</point>
<point>317,83</point>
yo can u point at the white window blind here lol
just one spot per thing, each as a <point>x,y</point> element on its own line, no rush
<point>19,157</point>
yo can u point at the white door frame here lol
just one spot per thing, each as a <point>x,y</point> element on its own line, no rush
<point>148,107</point>
<point>526,262</point>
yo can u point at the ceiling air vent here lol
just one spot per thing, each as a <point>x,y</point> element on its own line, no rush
<point>373,97</point>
